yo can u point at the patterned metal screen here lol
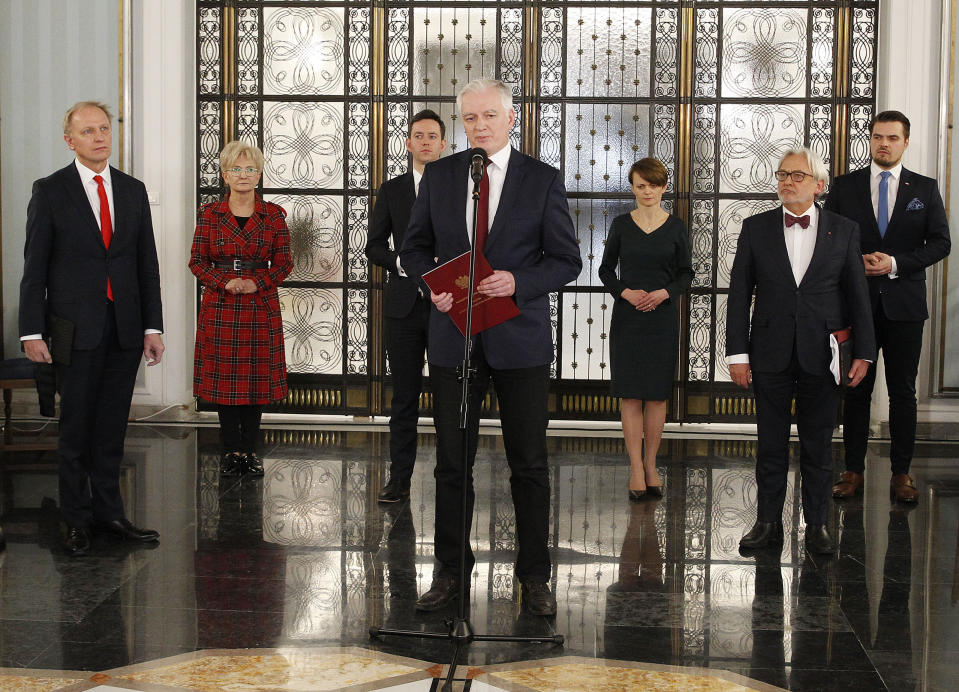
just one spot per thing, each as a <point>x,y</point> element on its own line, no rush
<point>716,90</point>
<point>766,77</point>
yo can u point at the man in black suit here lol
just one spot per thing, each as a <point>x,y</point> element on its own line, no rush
<point>529,241</point>
<point>903,229</point>
<point>90,262</point>
<point>405,307</point>
<point>802,265</point>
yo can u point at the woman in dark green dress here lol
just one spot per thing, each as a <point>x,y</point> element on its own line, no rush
<point>651,249</point>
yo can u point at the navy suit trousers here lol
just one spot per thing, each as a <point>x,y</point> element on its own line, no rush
<point>522,394</point>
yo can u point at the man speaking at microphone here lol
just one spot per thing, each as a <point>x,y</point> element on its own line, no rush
<point>525,231</point>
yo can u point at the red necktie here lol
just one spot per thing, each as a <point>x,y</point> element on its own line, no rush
<point>793,220</point>
<point>482,214</point>
<point>106,224</point>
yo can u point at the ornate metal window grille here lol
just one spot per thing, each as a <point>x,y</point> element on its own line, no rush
<point>715,89</point>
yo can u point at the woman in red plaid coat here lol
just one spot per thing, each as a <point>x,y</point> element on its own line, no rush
<point>240,254</point>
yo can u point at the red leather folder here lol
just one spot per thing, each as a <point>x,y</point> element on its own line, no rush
<point>453,277</point>
<point>842,357</point>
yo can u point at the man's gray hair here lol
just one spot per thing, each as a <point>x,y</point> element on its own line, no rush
<point>478,85</point>
<point>816,165</point>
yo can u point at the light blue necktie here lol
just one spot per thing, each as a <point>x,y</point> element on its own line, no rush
<point>882,216</point>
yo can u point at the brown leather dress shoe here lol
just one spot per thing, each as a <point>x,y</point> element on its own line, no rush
<point>538,599</point>
<point>443,590</point>
<point>848,485</point>
<point>903,489</point>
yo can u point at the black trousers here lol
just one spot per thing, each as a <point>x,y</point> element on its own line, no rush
<point>406,352</point>
<point>817,402</point>
<point>522,396</point>
<point>239,426</point>
<point>901,344</point>
<point>95,394</point>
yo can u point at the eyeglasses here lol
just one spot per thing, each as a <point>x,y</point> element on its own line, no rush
<point>797,176</point>
<point>249,170</point>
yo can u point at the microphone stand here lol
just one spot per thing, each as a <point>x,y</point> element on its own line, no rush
<point>460,632</point>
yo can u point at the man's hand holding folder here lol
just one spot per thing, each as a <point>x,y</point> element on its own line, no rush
<point>847,370</point>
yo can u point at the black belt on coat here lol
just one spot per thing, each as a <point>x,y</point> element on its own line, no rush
<point>239,265</point>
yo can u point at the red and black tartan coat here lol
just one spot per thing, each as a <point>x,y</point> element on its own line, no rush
<point>239,356</point>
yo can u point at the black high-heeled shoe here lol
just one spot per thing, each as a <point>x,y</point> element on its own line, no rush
<point>654,490</point>
<point>636,495</point>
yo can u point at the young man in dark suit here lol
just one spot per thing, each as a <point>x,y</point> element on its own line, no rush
<point>902,230</point>
<point>405,306</point>
<point>802,265</point>
<point>526,234</point>
<point>90,260</point>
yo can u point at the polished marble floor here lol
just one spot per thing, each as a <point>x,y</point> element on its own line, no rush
<point>290,572</point>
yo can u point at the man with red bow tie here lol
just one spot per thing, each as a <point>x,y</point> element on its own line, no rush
<point>803,267</point>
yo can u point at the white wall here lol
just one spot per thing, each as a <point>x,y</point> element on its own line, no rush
<point>52,54</point>
<point>164,110</point>
<point>908,80</point>
<point>951,327</point>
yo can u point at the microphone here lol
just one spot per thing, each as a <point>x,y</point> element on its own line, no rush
<point>478,160</point>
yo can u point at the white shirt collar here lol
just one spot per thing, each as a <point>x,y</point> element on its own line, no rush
<point>417,177</point>
<point>501,158</point>
<point>875,170</point>
<point>86,174</point>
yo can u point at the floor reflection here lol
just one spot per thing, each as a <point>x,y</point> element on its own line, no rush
<point>305,557</point>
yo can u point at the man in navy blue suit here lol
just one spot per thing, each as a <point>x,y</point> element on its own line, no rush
<point>529,241</point>
<point>405,307</point>
<point>902,229</point>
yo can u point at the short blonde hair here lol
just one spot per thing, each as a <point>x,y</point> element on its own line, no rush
<point>235,149</point>
<point>79,105</point>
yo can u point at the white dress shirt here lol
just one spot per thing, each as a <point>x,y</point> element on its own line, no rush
<point>800,244</point>
<point>90,187</point>
<point>893,191</point>
<point>417,177</point>
<point>497,177</point>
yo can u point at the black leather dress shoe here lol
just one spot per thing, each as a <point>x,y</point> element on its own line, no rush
<point>818,540</point>
<point>538,599</point>
<point>252,464</point>
<point>76,542</point>
<point>127,531</point>
<point>443,590</point>
<point>763,535</point>
<point>394,491</point>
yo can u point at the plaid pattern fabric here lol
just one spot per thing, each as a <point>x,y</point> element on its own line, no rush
<point>239,356</point>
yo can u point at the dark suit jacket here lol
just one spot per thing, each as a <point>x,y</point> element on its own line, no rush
<point>66,264</point>
<point>391,216</point>
<point>832,295</point>
<point>532,236</point>
<point>916,237</point>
